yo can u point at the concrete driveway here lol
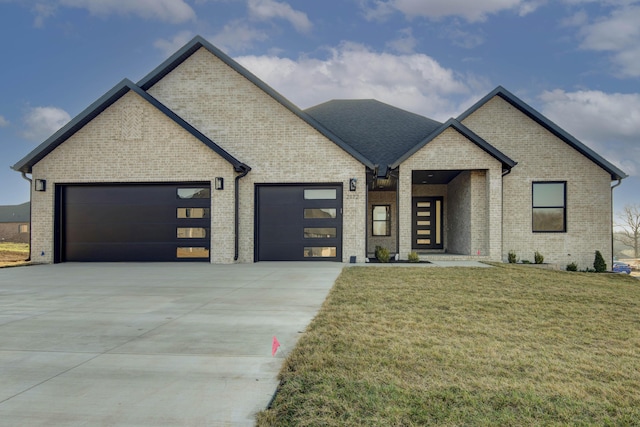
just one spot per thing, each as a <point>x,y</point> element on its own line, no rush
<point>149,344</point>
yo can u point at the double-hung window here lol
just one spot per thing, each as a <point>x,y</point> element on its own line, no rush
<point>549,209</point>
<point>382,220</point>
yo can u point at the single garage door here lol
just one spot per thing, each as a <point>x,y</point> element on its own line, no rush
<point>298,222</point>
<point>133,222</point>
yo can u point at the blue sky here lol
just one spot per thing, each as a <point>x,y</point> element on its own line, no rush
<point>576,61</point>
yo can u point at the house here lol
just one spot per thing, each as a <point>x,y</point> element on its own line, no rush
<point>14,223</point>
<point>202,161</point>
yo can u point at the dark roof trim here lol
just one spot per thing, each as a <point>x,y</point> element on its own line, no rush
<point>104,102</point>
<point>198,42</point>
<point>507,163</point>
<point>550,126</point>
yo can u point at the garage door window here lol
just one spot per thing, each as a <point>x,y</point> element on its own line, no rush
<point>194,193</point>
<point>192,233</point>
<point>320,252</point>
<point>319,233</point>
<point>193,213</point>
<point>192,252</point>
<point>315,213</point>
<point>320,194</point>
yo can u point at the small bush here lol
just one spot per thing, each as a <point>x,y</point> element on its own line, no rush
<point>413,257</point>
<point>526,261</point>
<point>538,258</point>
<point>598,264</point>
<point>511,257</point>
<point>382,254</point>
<point>572,267</point>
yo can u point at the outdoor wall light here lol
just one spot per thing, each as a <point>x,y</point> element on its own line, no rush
<point>352,184</point>
<point>219,183</point>
<point>41,185</point>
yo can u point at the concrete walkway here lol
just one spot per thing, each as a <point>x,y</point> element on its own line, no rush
<point>149,344</point>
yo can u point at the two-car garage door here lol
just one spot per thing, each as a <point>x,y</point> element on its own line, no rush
<point>133,222</point>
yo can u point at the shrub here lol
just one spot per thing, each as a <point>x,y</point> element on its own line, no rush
<point>538,257</point>
<point>526,261</point>
<point>382,254</point>
<point>511,257</point>
<point>413,257</point>
<point>572,267</point>
<point>598,264</point>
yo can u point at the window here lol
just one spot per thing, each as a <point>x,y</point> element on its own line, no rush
<point>320,252</point>
<point>191,233</point>
<point>192,252</point>
<point>320,213</point>
<point>320,194</point>
<point>23,228</point>
<point>319,233</point>
<point>549,207</point>
<point>193,213</point>
<point>381,220</point>
<point>194,193</point>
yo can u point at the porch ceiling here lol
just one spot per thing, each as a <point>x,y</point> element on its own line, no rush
<point>433,176</point>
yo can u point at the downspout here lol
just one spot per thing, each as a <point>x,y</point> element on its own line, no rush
<point>504,173</point>
<point>397,177</point>
<point>24,175</point>
<point>244,170</point>
<point>612,187</point>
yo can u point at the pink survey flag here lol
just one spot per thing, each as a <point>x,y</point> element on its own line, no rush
<point>274,346</point>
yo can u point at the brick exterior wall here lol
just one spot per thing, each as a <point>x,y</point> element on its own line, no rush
<point>543,157</point>
<point>131,141</point>
<point>473,203</point>
<point>274,142</point>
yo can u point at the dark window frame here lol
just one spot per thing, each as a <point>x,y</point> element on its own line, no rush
<point>387,221</point>
<point>563,207</point>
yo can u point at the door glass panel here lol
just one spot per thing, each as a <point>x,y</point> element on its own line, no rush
<point>319,233</point>
<point>191,233</point>
<point>438,226</point>
<point>423,222</point>
<point>424,213</point>
<point>320,252</point>
<point>194,193</point>
<point>193,213</point>
<point>320,213</point>
<point>424,232</point>
<point>320,194</point>
<point>424,241</point>
<point>424,204</point>
<point>192,252</point>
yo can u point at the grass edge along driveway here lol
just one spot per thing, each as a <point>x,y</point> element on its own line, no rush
<point>509,345</point>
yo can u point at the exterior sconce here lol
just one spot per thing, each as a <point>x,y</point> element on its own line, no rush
<point>41,185</point>
<point>352,184</point>
<point>219,183</point>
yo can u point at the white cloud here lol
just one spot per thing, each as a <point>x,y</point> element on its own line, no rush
<point>618,33</point>
<point>414,82</point>
<point>264,10</point>
<point>3,122</point>
<point>405,43</point>
<point>608,122</point>
<point>41,122</point>
<point>173,11</point>
<point>472,11</point>
<point>237,36</point>
<point>169,47</point>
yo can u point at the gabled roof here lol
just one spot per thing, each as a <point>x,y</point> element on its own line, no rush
<point>507,163</point>
<point>15,213</point>
<point>549,125</point>
<point>379,131</point>
<point>198,42</point>
<point>98,107</point>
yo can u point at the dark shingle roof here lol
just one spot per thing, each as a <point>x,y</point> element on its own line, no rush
<point>381,132</point>
<point>15,213</point>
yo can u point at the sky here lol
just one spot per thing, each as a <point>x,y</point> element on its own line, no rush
<point>575,61</point>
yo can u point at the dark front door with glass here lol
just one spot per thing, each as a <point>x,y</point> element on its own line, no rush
<point>427,223</point>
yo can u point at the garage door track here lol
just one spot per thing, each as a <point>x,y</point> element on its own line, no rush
<point>150,344</point>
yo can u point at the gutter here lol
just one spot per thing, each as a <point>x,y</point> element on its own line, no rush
<point>612,187</point>
<point>24,176</point>
<point>244,170</point>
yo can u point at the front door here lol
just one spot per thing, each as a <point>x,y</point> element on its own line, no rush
<point>426,229</point>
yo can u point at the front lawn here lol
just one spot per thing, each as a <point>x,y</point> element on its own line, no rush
<point>508,345</point>
<point>12,254</point>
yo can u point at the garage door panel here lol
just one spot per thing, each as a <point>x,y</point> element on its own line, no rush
<point>290,226</point>
<point>140,222</point>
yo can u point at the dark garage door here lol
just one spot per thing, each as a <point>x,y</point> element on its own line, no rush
<point>298,222</point>
<point>134,222</point>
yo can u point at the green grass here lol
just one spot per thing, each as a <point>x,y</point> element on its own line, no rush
<point>508,345</point>
<point>14,247</point>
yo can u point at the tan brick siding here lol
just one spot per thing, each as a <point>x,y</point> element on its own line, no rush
<point>278,145</point>
<point>543,157</point>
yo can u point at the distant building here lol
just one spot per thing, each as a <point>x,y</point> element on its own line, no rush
<point>14,223</point>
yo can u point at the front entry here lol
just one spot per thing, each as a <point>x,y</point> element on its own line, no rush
<point>426,229</point>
